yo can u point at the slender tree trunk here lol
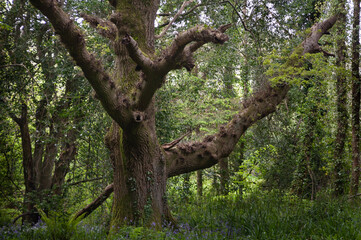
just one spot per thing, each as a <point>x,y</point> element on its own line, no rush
<point>199,183</point>
<point>239,163</point>
<point>224,176</point>
<point>29,170</point>
<point>68,153</point>
<point>186,186</point>
<point>355,67</point>
<point>215,184</point>
<point>308,176</point>
<point>30,178</point>
<point>342,115</point>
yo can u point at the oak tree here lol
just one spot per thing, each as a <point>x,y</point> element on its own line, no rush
<point>141,164</point>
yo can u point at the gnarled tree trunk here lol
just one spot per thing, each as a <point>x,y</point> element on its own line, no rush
<point>141,165</point>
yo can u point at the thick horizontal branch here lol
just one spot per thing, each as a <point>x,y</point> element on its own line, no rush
<point>199,155</point>
<point>206,153</point>
<point>73,39</point>
<point>196,45</point>
<point>105,28</point>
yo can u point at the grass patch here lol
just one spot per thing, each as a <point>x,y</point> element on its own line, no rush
<point>258,216</point>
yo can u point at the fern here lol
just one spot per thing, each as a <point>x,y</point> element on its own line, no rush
<point>59,225</point>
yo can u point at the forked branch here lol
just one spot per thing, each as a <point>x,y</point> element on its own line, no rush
<point>179,54</point>
<point>199,155</point>
<point>144,63</point>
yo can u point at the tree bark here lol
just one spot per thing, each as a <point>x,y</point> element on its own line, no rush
<point>186,187</point>
<point>342,115</point>
<point>355,67</point>
<point>224,175</point>
<point>199,183</point>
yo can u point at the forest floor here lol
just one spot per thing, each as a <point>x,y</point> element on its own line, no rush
<point>260,215</point>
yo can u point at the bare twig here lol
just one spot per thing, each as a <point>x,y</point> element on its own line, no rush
<point>19,65</point>
<point>185,3</point>
<point>239,15</point>
<point>168,146</point>
<point>22,215</point>
<point>353,196</point>
<point>184,14</point>
<point>163,25</point>
<point>84,181</point>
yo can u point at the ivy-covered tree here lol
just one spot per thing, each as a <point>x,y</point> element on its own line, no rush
<point>356,93</point>
<point>340,171</point>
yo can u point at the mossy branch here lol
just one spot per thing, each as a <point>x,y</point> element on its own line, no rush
<point>105,28</point>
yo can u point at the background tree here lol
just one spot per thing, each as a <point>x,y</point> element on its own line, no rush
<point>355,119</point>
<point>342,115</point>
<point>48,104</point>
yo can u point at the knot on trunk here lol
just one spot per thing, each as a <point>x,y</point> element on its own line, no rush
<point>139,116</point>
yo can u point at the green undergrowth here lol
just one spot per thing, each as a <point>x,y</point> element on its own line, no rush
<point>257,216</point>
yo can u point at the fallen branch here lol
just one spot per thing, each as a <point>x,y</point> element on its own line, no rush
<point>22,215</point>
<point>96,203</point>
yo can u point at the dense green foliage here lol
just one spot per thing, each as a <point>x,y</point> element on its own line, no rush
<point>277,182</point>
